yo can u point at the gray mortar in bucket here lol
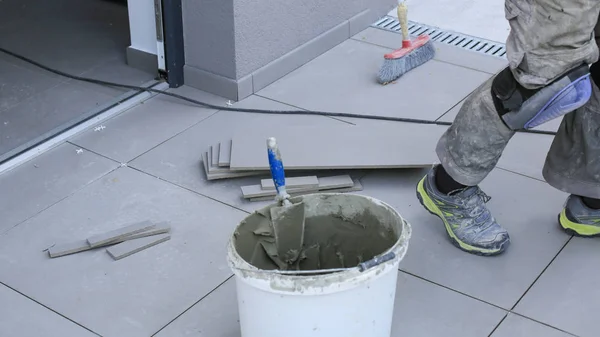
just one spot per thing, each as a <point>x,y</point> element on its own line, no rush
<point>341,231</point>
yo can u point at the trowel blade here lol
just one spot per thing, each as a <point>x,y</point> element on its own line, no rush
<point>288,226</point>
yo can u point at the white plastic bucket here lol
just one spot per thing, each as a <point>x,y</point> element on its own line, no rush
<point>345,303</point>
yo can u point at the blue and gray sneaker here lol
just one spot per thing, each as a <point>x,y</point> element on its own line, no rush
<point>468,221</point>
<point>578,219</point>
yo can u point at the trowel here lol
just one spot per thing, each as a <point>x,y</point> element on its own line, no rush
<point>288,218</point>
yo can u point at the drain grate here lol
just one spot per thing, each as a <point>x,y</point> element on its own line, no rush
<point>455,39</point>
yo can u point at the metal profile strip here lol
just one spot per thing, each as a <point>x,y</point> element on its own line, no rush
<point>459,40</point>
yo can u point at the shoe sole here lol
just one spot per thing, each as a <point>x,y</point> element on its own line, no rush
<point>575,229</point>
<point>429,205</point>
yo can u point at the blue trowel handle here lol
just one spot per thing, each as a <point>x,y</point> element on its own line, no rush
<point>276,166</point>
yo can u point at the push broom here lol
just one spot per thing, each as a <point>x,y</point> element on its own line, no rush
<point>412,54</point>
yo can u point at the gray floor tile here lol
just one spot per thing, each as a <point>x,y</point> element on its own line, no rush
<point>443,52</point>
<point>145,126</point>
<point>179,159</point>
<point>135,296</point>
<point>44,180</point>
<point>526,154</point>
<point>567,295</point>
<point>518,326</point>
<point>46,111</point>
<point>526,207</point>
<point>421,311</point>
<point>214,316</point>
<point>24,318</point>
<point>344,80</point>
<point>18,84</point>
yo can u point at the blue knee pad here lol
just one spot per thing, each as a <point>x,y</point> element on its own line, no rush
<point>522,108</point>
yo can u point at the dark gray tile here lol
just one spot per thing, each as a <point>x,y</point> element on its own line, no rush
<point>18,84</point>
<point>145,126</point>
<point>24,318</point>
<point>444,52</point>
<point>46,111</point>
<point>117,71</point>
<point>179,159</point>
<point>526,207</point>
<point>567,296</point>
<point>134,296</point>
<point>73,40</point>
<point>518,326</point>
<point>344,80</point>
<point>421,310</point>
<point>46,179</point>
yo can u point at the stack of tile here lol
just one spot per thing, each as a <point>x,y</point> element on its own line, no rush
<point>302,185</point>
<point>389,145</point>
<point>121,242</point>
<point>216,163</point>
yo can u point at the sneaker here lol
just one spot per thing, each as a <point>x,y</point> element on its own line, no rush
<point>578,219</point>
<point>467,219</point>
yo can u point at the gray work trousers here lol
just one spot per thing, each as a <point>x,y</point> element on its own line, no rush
<point>547,39</point>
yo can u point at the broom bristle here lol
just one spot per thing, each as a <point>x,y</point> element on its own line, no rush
<point>393,69</point>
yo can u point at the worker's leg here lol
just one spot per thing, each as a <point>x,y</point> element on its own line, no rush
<point>547,40</point>
<point>573,165</point>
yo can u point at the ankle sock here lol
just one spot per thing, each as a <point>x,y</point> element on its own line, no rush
<point>444,181</point>
<point>591,203</point>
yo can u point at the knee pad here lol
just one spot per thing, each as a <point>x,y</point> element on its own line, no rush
<point>521,108</point>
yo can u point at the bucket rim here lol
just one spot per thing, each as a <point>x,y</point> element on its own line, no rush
<point>393,254</point>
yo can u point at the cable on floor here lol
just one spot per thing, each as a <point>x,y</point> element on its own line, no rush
<point>234,109</point>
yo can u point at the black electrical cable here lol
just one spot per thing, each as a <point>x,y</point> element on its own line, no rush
<point>260,111</point>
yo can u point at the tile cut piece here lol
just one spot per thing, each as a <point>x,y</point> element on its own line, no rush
<point>67,248</point>
<point>392,145</point>
<point>131,247</point>
<point>225,153</point>
<point>214,155</point>
<point>292,182</point>
<point>254,191</point>
<point>326,183</point>
<point>225,174</point>
<point>356,187</point>
<point>114,235</point>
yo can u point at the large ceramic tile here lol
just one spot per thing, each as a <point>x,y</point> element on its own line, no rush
<point>443,52</point>
<point>526,207</point>
<point>179,159</point>
<point>46,111</point>
<point>567,295</point>
<point>135,296</point>
<point>46,179</point>
<point>526,154</point>
<point>421,310</point>
<point>518,326</point>
<point>214,316</point>
<point>145,126</point>
<point>344,80</point>
<point>24,318</point>
<point>18,84</point>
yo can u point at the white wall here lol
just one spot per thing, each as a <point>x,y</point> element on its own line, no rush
<point>142,26</point>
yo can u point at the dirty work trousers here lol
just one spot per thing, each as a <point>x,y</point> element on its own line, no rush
<point>547,39</point>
